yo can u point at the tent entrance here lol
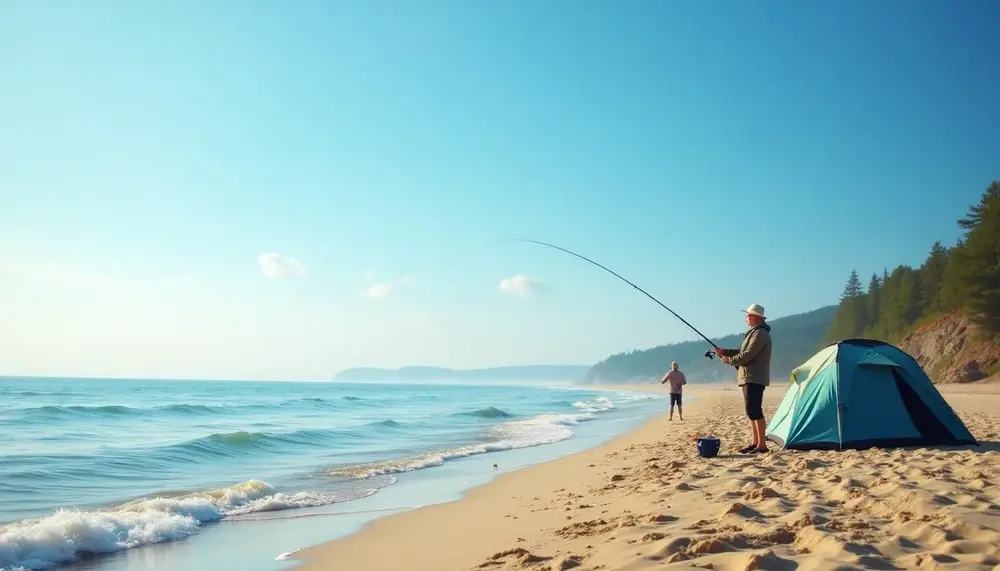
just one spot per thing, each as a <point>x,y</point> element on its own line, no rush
<point>872,409</point>
<point>930,426</point>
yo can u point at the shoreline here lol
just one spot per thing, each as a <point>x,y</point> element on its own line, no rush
<point>643,499</point>
<point>313,558</point>
<point>295,559</point>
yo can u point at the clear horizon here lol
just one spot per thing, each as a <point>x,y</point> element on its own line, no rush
<point>195,192</point>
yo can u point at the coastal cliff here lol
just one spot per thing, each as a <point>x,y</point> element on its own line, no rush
<point>953,350</point>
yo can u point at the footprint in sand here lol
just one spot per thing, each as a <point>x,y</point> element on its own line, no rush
<point>765,560</point>
<point>760,493</point>
<point>568,562</point>
<point>519,554</point>
<point>743,511</point>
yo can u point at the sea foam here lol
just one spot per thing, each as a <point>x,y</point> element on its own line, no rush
<point>597,405</point>
<point>65,535</point>
<point>535,431</point>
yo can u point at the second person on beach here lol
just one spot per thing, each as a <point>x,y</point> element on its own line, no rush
<point>677,380</point>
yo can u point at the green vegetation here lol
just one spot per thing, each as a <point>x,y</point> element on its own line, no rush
<point>796,338</point>
<point>965,277</point>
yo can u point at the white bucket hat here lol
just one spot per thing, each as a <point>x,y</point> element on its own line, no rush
<point>755,309</point>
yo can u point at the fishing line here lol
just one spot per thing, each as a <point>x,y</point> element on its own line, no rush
<point>708,354</point>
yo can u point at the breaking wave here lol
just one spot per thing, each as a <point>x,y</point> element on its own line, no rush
<point>597,405</point>
<point>488,412</point>
<point>68,534</point>
<point>536,431</point>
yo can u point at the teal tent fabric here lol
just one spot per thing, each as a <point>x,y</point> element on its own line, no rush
<point>875,358</point>
<point>815,419</point>
<point>861,393</point>
<point>781,423</point>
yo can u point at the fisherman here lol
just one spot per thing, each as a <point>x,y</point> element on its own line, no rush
<point>753,362</point>
<point>676,379</point>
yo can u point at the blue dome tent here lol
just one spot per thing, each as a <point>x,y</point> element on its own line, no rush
<point>862,393</point>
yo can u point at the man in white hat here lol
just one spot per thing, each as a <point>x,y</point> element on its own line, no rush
<point>753,362</point>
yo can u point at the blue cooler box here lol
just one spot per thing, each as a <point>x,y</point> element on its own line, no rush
<point>708,447</point>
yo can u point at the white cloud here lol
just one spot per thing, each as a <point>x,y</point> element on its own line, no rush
<point>369,275</point>
<point>278,266</point>
<point>520,285</point>
<point>380,291</point>
<point>406,279</point>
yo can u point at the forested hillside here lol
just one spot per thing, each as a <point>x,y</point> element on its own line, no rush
<point>796,338</point>
<point>964,277</point>
<point>954,284</point>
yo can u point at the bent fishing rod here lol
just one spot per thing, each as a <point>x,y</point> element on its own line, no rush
<point>708,354</point>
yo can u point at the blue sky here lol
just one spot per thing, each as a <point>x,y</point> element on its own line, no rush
<point>717,154</point>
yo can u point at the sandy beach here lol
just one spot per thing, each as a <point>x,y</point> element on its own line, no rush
<point>646,500</point>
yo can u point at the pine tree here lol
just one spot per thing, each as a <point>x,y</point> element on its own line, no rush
<point>910,307</point>
<point>981,268</point>
<point>859,305</point>
<point>848,321</point>
<point>931,277</point>
<point>886,324</point>
<point>976,213</point>
<point>954,291</point>
<point>872,304</point>
<point>893,303</point>
<point>853,287</point>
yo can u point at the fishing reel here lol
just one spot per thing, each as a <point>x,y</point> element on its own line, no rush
<point>710,354</point>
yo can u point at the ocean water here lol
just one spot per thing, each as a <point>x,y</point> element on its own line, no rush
<point>122,474</point>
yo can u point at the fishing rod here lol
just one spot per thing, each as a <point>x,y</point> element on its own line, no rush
<point>708,354</point>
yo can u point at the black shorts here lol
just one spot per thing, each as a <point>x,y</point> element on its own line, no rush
<point>753,398</point>
<point>675,399</point>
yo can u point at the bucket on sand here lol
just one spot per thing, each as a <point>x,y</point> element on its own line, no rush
<point>708,446</point>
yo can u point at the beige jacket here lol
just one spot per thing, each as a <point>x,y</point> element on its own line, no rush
<point>753,357</point>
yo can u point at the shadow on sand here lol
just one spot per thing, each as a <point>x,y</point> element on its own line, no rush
<point>984,446</point>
